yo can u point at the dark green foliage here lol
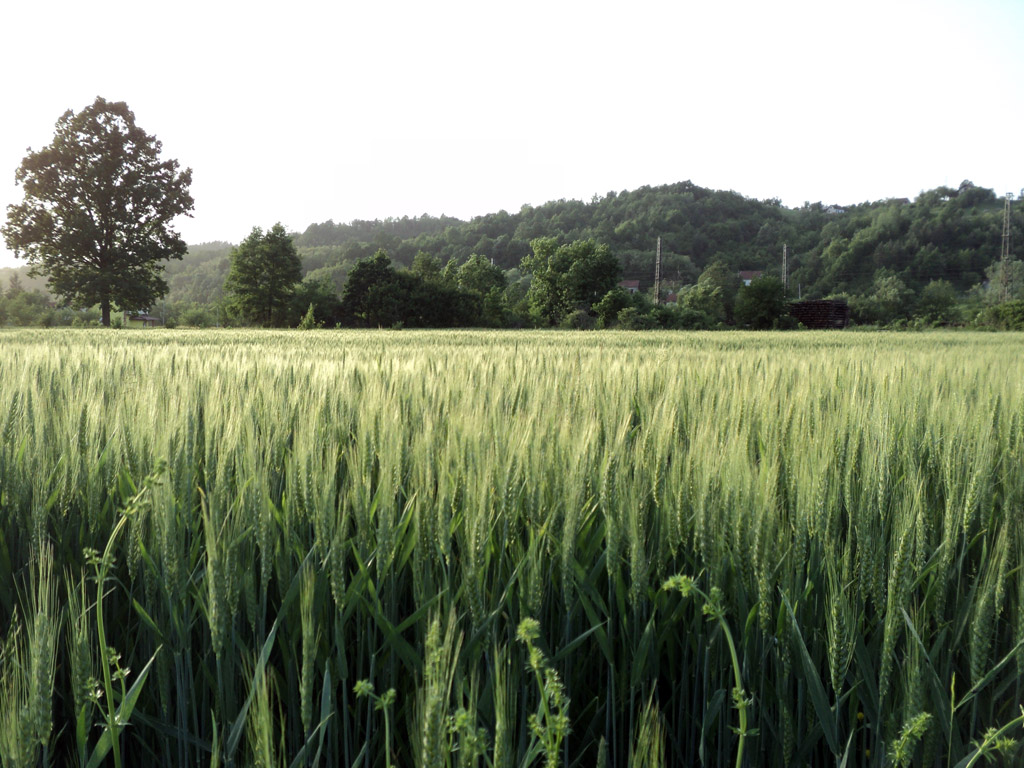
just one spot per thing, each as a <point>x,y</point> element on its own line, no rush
<point>644,316</point>
<point>319,295</point>
<point>377,232</point>
<point>427,267</point>
<point>35,308</point>
<point>705,299</point>
<point>1008,316</point>
<point>1003,282</point>
<point>580,320</point>
<point>98,207</point>
<point>379,296</point>
<point>635,319</point>
<point>568,277</point>
<point>27,308</point>
<point>937,302</point>
<point>261,283</point>
<point>721,277</point>
<point>948,234</point>
<point>479,275</point>
<point>880,255</point>
<point>888,301</point>
<point>696,226</point>
<point>608,308</point>
<point>688,319</point>
<point>761,304</point>
<point>189,314</point>
<point>371,295</point>
<point>337,275</point>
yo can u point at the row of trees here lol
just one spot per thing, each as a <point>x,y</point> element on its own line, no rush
<point>264,287</point>
<point>573,285</point>
<point>99,203</point>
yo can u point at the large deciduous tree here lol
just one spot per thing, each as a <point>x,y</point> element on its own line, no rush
<point>372,293</point>
<point>479,275</point>
<point>718,275</point>
<point>762,304</point>
<point>264,270</point>
<point>568,277</point>
<point>99,203</point>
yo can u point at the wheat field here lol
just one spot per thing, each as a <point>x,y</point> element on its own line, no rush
<point>258,548</point>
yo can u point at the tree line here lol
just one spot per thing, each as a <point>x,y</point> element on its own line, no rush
<point>99,201</point>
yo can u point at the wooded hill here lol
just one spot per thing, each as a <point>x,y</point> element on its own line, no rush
<point>945,234</point>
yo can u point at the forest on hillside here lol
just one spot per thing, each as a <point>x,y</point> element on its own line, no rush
<point>935,258</point>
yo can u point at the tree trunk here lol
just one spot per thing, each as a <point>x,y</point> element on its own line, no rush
<point>105,313</point>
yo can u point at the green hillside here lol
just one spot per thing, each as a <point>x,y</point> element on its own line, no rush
<point>880,255</point>
<point>945,233</point>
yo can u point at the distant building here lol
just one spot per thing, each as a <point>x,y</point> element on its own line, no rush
<point>630,286</point>
<point>822,313</point>
<point>141,320</point>
<point>750,275</point>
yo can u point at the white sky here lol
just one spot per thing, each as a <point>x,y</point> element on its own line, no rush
<point>304,111</point>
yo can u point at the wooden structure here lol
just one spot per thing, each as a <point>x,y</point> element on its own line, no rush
<point>141,320</point>
<point>821,313</point>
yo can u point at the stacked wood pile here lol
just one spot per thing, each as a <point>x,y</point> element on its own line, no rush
<point>821,313</point>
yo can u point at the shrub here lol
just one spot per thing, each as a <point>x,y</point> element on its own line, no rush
<point>580,320</point>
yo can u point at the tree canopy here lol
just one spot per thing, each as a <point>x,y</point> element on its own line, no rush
<point>265,268</point>
<point>568,277</point>
<point>760,305</point>
<point>378,295</point>
<point>99,203</point>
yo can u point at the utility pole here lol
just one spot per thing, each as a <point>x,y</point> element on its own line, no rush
<point>657,274</point>
<point>1006,248</point>
<point>785,269</point>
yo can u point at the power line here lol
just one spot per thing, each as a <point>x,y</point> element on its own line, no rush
<point>1006,248</point>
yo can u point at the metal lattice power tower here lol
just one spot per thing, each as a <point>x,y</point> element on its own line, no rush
<point>785,269</point>
<point>657,274</point>
<point>1005,258</point>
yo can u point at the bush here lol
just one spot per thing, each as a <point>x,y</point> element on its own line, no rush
<point>787,323</point>
<point>1008,316</point>
<point>579,320</point>
<point>195,315</point>
<point>632,319</point>
<point>608,308</point>
<point>761,304</point>
<point>937,303</point>
<point>309,321</point>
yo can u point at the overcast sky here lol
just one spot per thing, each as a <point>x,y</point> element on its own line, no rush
<point>301,112</point>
